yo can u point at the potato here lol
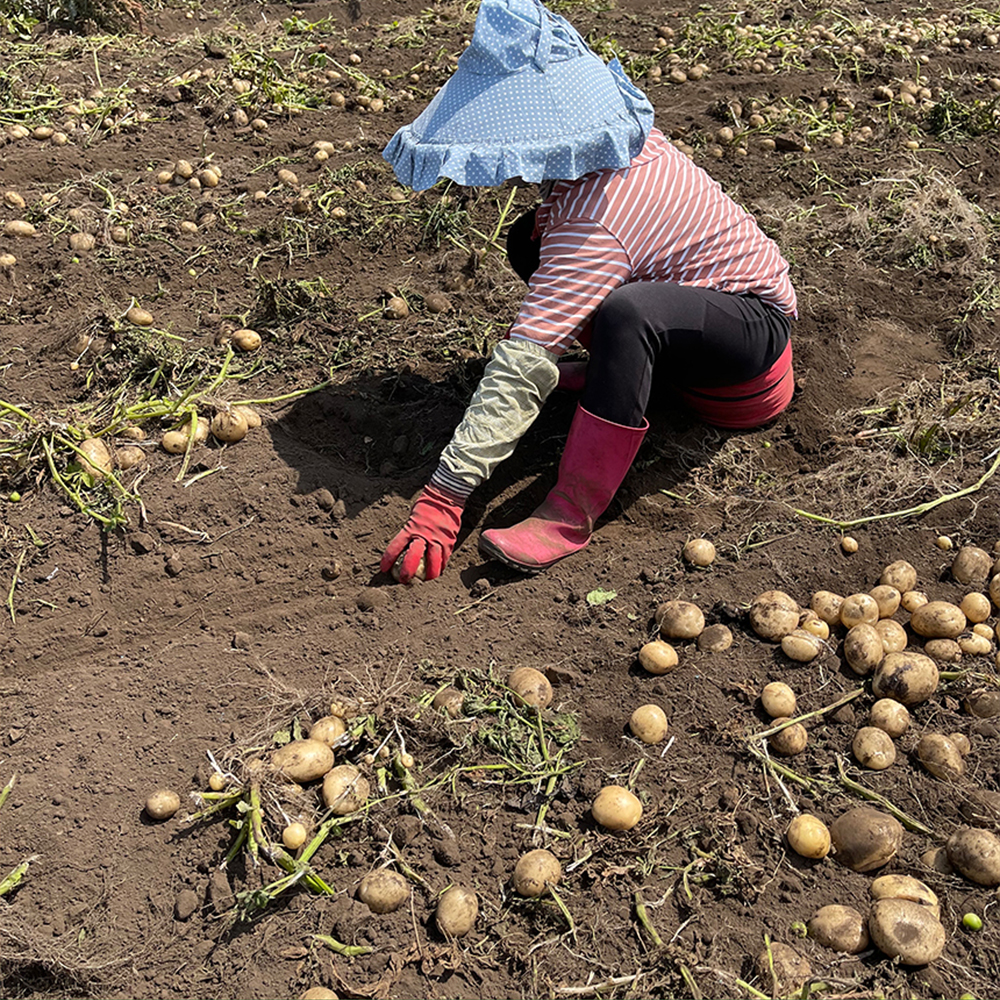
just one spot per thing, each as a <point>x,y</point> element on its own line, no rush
<point>162,804</point>
<point>249,414</point>
<point>943,650</point>
<point>649,724</point>
<point>95,459</point>
<point>456,911</point>
<point>962,744</point>
<point>139,317</point>
<point>129,456</point>
<point>420,573</point>
<point>900,575</point>
<point>976,855</point>
<point>906,931</point>
<point>201,429</point>
<point>174,442</point>
<point>913,599</point>
<point>383,890</point>
<point>887,598</point>
<point>986,631</point>
<point>826,604</point>
<point>973,644</point>
<point>229,426</point>
<point>294,835</point>
<point>18,227</point>
<point>680,620</point>
<point>396,308</point>
<point>245,340</point>
<point>327,730</point>
<point>773,615</point>
<point>971,564</point>
<point>849,545</point>
<point>699,552</point>
<point>811,622</point>
<point>858,609</point>
<point>983,703</point>
<point>788,741</point>
<point>938,620</point>
<point>909,678</point>
<point>936,858</point>
<point>302,760</point>
<point>345,790</point>
<point>449,700</point>
<point>995,590</point>
<point>873,748</point>
<point>783,971</point>
<point>658,657</point>
<point>616,808</point>
<point>535,872</point>
<point>318,993</point>
<point>890,716</point>
<point>975,607</point>
<point>808,837</point>
<point>892,634</point>
<point>940,757</point>
<point>715,639</point>
<point>865,839</point>
<point>778,700</point>
<point>530,687</point>
<point>801,646</point>
<point>863,649</point>
<point>906,887</point>
<point>981,807</point>
<point>840,928</point>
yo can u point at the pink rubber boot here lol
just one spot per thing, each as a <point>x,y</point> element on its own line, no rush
<point>597,456</point>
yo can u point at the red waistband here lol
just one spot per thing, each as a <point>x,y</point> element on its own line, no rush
<point>747,404</point>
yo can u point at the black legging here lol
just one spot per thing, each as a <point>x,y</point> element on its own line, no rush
<point>661,332</point>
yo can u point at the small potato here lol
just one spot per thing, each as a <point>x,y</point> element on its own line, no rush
<point>893,635</point>
<point>327,730</point>
<point>129,456</point>
<point>975,607</point>
<point>873,748</point>
<point>973,644</point>
<point>811,622</point>
<point>900,575</point>
<point>139,317</point>
<point>975,854</point>
<point>865,839</point>
<point>840,928</point>
<point>984,703</point>
<point>808,836</point>
<point>162,804</point>
<point>943,650</point>
<point>986,631</point>
<point>396,308</point>
<point>699,552</point>
<point>938,620</point>
<point>229,426</point>
<point>773,615</point>
<point>649,724</point>
<point>971,564</point>
<point>449,700</point>
<point>981,807</point>
<point>249,414</point>
<point>849,545</point>
<point>907,931</point>
<point>318,993</point>
<point>995,590</point>
<point>909,678</point>
<point>658,657</point>
<point>616,808</point>
<point>383,891</point>
<point>782,970</point>
<point>18,227</point>
<point>302,760</point>
<point>906,887</point>
<point>530,687</point>
<point>887,598</point>
<point>858,609</point>
<point>801,646</point>
<point>95,459</point>
<point>936,858</point>
<point>778,700</point>
<point>294,836</point>
<point>940,757</point>
<point>715,639</point>
<point>457,911</point>
<point>962,744</point>
<point>863,649</point>
<point>680,620</point>
<point>420,573</point>
<point>535,872</point>
<point>890,716</point>
<point>826,604</point>
<point>246,340</point>
<point>913,599</point>
<point>789,741</point>
<point>345,790</point>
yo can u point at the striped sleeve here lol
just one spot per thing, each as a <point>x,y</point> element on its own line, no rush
<point>581,263</point>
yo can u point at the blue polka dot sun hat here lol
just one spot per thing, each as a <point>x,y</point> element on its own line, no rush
<point>529,99</point>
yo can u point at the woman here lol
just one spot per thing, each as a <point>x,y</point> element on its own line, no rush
<point>634,253</point>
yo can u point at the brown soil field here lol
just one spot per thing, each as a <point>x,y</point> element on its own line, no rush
<point>169,625</point>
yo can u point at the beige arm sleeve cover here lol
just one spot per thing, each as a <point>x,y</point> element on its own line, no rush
<point>517,381</point>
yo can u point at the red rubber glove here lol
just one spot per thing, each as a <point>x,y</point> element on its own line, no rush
<point>429,534</point>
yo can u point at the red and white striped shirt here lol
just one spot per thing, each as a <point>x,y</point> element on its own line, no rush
<point>660,219</point>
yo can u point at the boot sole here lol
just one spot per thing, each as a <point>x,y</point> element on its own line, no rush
<point>492,552</point>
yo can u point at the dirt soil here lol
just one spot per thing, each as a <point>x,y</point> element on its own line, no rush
<point>233,593</point>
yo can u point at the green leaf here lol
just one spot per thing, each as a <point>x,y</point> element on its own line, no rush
<point>599,596</point>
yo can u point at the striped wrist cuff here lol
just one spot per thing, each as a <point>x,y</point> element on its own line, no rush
<point>446,480</point>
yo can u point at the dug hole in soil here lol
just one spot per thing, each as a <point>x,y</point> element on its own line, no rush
<point>173,630</point>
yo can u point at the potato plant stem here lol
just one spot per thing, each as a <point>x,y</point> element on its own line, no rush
<point>557,899</point>
<point>752,990</point>
<point>643,917</point>
<point>908,821</point>
<point>238,843</point>
<point>12,881</point>
<point>11,408</point>
<point>850,696</point>
<point>10,597</point>
<point>7,790</point>
<point>692,985</point>
<point>347,950</point>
